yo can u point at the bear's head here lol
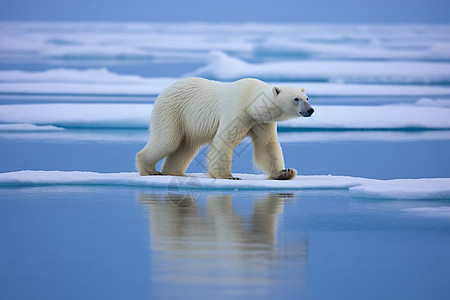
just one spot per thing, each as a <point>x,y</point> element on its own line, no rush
<point>292,102</point>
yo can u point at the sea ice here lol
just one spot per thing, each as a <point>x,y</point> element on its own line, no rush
<point>146,41</point>
<point>431,188</point>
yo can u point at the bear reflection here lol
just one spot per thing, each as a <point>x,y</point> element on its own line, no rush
<point>208,241</point>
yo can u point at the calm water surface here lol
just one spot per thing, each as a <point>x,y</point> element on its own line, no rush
<point>126,243</point>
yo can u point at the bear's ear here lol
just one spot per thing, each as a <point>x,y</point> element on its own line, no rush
<point>276,91</point>
<point>303,90</point>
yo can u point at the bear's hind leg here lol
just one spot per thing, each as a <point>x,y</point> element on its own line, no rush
<point>154,151</point>
<point>221,151</point>
<point>146,161</point>
<point>219,160</point>
<point>177,162</point>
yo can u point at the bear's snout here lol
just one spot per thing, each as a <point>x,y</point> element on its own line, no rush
<point>308,112</point>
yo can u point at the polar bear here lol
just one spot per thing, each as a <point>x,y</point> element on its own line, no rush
<point>195,111</point>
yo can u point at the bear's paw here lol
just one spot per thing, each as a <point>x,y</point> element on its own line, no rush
<point>285,174</point>
<point>145,173</point>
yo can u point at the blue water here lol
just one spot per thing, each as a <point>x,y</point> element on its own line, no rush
<point>116,243</point>
<point>75,242</point>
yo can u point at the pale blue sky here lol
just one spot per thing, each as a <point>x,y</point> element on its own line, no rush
<point>340,11</point>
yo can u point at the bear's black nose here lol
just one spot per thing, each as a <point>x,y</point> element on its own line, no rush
<point>310,111</point>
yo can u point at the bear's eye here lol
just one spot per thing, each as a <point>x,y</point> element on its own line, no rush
<point>307,99</point>
<point>296,100</point>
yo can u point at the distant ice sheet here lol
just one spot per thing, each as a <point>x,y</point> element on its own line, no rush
<point>121,42</point>
<point>224,67</point>
<point>435,188</point>
<point>138,116</point>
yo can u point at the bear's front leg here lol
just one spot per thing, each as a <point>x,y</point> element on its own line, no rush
<point>267,152</point>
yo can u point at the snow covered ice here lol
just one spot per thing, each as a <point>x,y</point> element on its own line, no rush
<point>436,188</point>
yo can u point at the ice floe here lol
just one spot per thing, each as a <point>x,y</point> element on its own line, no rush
<point>432,188</point>
<point>428,188</point>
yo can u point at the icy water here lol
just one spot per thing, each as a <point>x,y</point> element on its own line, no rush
<point>119,242</point>
<point>75,242</point>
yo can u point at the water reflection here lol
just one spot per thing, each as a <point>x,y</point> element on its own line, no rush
<point>233,250</point>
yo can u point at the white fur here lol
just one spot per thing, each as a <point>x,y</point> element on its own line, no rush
<point>195,111</point>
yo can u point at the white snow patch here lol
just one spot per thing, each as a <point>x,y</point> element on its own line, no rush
<point>436,188</point>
